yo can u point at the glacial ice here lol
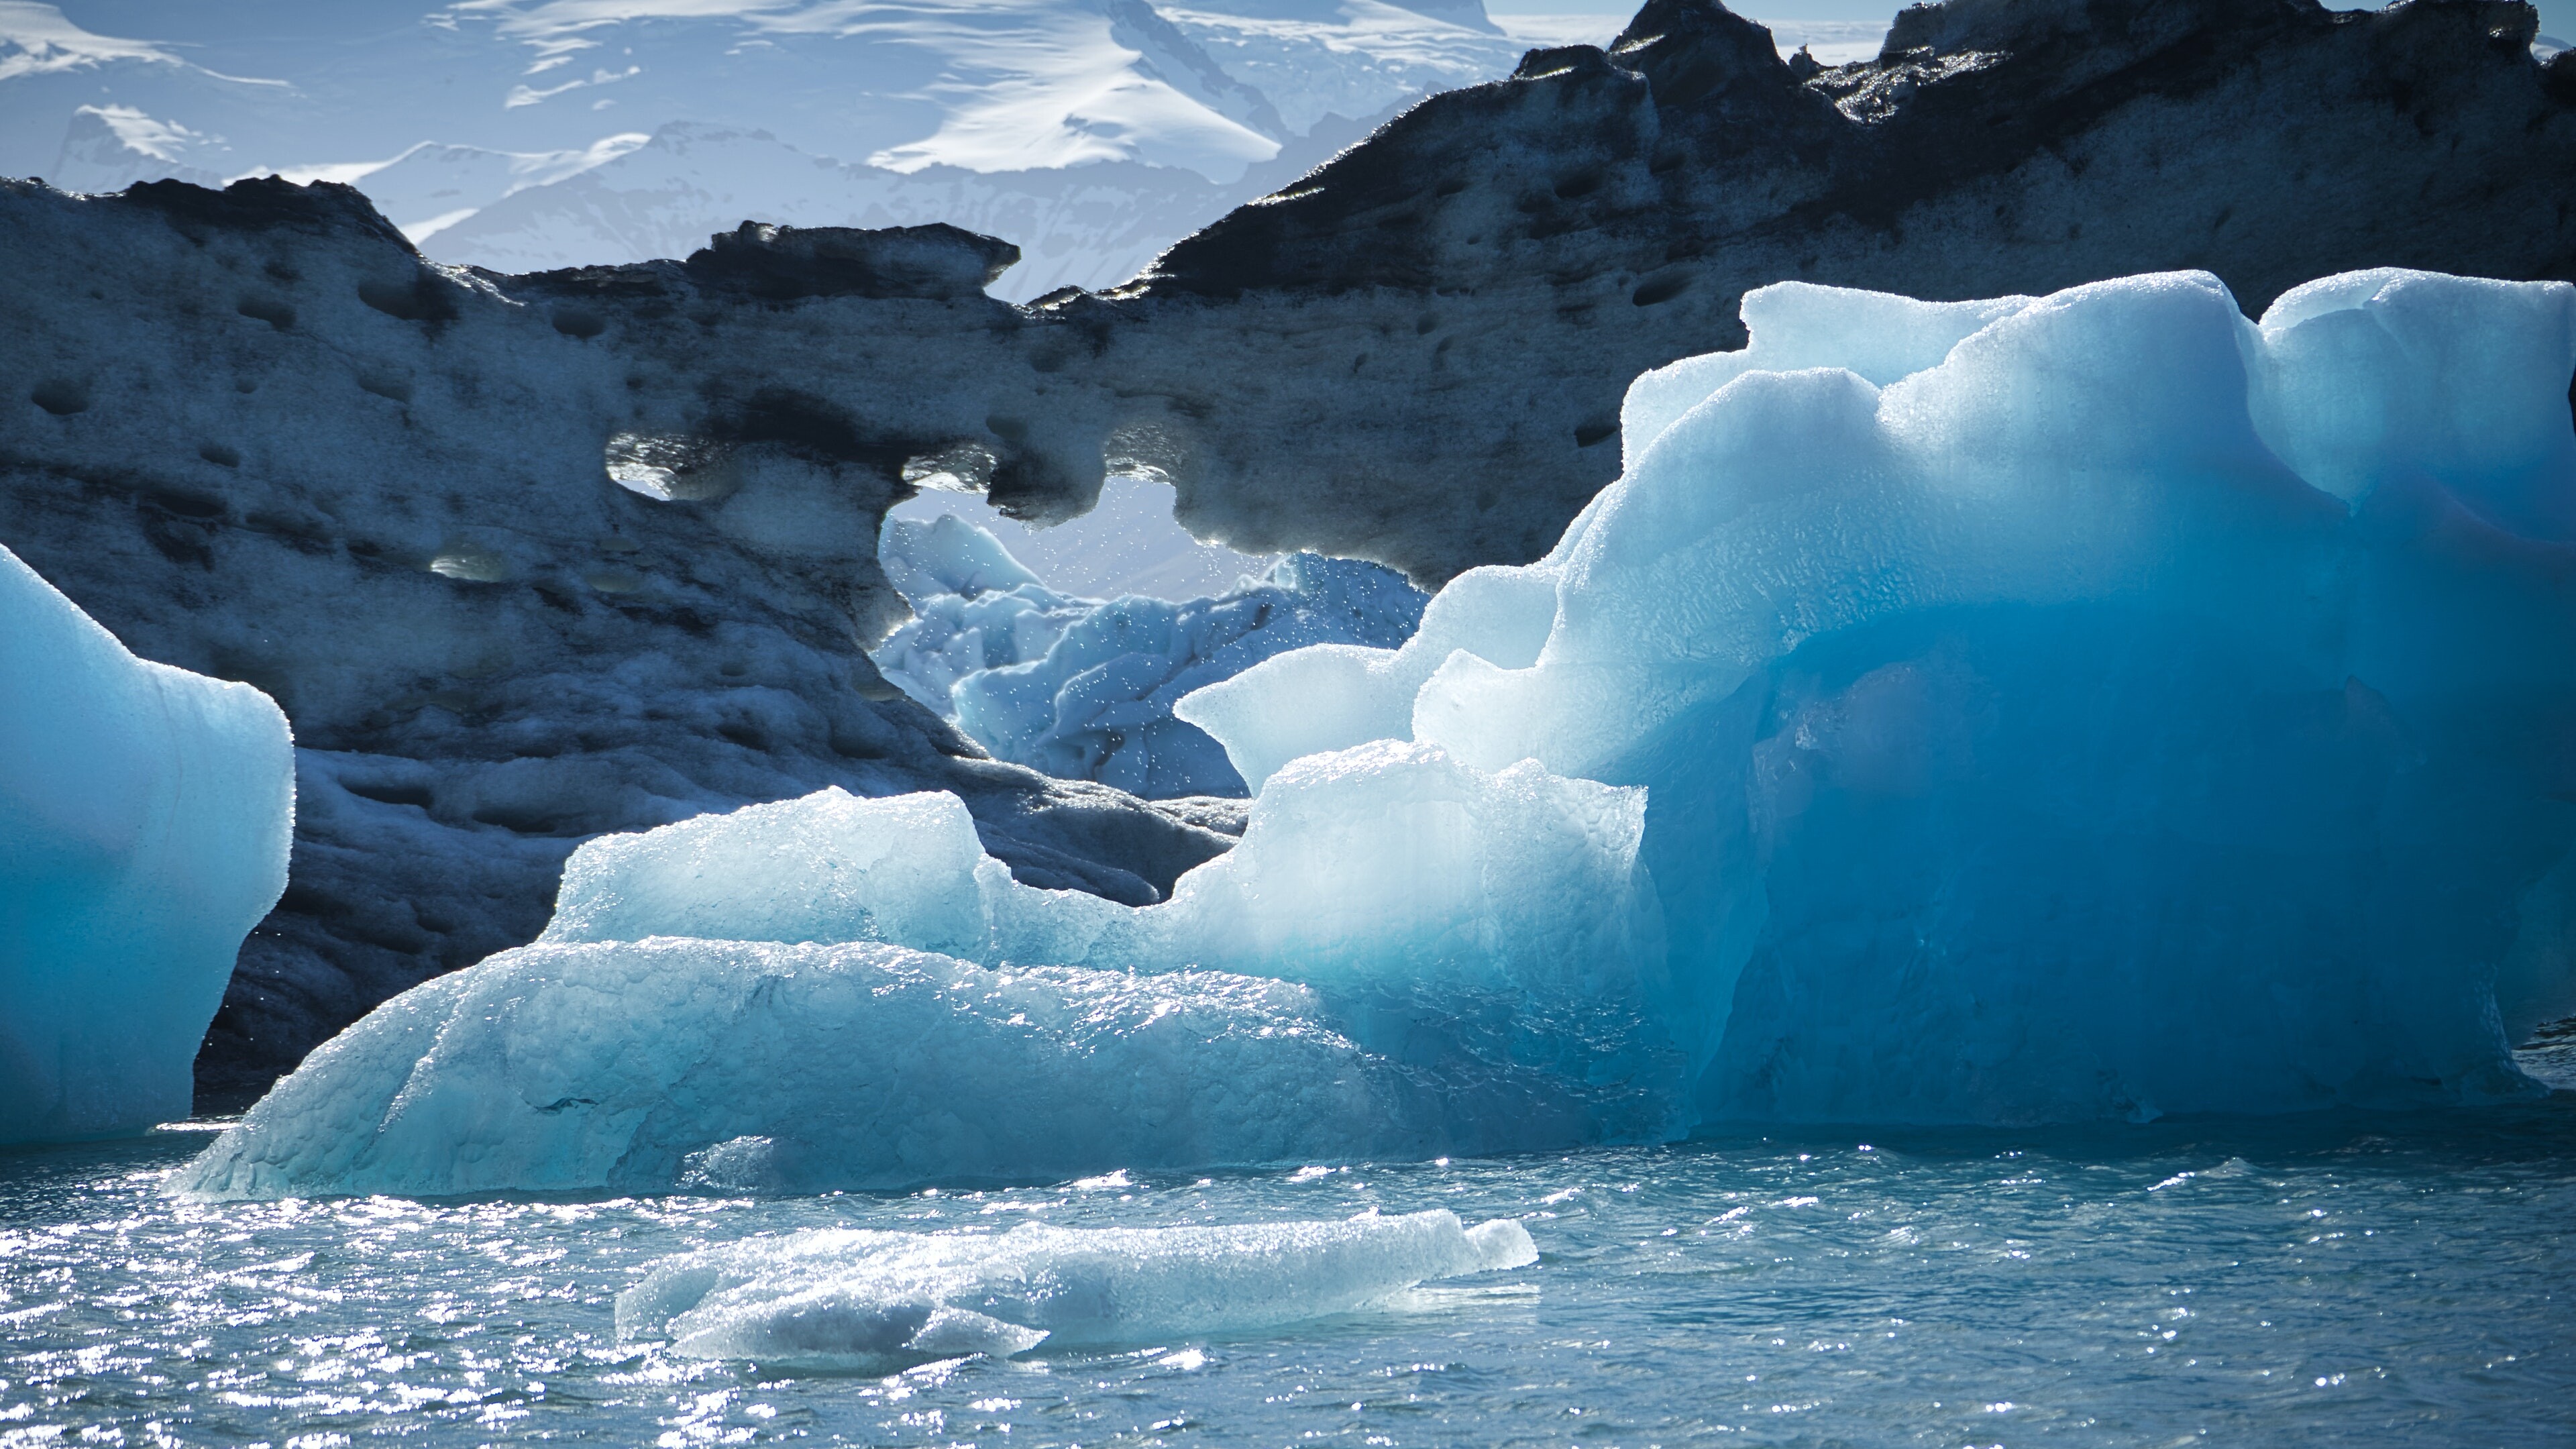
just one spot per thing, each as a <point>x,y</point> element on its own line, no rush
<point>1403,958</point>
<point>2129,709</point>
<point>880,1301</point>
<point>2121,709</point>
<point>1084,688</point>
<point>144,819</point>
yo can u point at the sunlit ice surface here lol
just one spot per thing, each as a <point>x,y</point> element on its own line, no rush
<point>2389,1279</point>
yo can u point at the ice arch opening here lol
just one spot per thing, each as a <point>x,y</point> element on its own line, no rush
<point>1079,679</point>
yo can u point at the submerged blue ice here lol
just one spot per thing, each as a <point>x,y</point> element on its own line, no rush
<point>1084,688</point>
<point>2039,709</point>
<point>144,819</point>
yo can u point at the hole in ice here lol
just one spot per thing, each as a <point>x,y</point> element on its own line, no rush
<point>419,299</point>
<point>579,322</point>
<point>60,396</point>
<point>518,818</point>
<point>219,455</point>
<point>1661,288</point>
<point>960,467</point>
<point>185,505</point>
<point>471,564</point>
<point>266,309</point>
<point>388,792</point>
<point>1128,543</point>
<point>1587,434</point>
<point>669,467</point>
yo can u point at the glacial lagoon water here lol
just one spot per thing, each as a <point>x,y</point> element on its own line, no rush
<point>2344,1278</point>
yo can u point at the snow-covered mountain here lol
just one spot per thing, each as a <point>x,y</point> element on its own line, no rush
<point>524,134</point>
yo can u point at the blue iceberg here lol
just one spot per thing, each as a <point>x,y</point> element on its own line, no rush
<point>2094,705</point>
<point>145,815</point>
<point>2090,706</point>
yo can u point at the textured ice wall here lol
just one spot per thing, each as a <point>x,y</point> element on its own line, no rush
<point>2121,708</point>
<point>1403,958</point>
<point>1084,688</point>
<point>144,819</point>
<point>878,1301</point>
<point>2091,705</point>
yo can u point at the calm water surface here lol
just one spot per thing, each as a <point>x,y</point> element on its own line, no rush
<point>2347,1279</point>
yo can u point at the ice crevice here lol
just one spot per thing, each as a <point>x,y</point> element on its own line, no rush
<point>2091,705</point>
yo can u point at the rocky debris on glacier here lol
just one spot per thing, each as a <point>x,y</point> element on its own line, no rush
<point>1083,689</point>
<point>2091,706</point>
<point>523,560</point>
<point>145,814</point>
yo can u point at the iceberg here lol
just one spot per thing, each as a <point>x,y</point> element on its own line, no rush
<point>2089,706</point>
<point>145,814</point>
<point>1085,688</point>
<point>855,1299</point>
<point>1403,959</point>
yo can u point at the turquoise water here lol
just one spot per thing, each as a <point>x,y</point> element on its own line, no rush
<point>2347,1279</point>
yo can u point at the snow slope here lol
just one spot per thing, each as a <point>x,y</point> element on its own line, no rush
<point>1091,132</point>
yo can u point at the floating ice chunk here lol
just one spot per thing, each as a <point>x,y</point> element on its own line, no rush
<point>1084,689</point>
<point>877,1301</point>
<point>2097,705</point>
<point>757,1066</point>
<point>974,606</point>
<point>144,820</point>
<point>1404,958</point>
<point>947,556</point>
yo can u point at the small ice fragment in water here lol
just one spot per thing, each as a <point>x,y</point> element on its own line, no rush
<point>877,1301</point>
